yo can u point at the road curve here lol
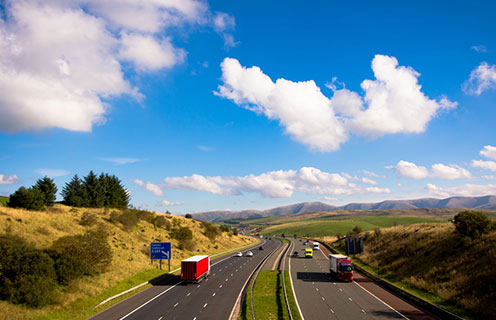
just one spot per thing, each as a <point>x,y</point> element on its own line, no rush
<point>320,298</point>
<point>213,298</point>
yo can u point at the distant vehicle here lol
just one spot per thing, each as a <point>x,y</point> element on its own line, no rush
<point>341,267</point>
<point>282,235</point>
<point>316,246</point>
<point>195,269</point>
<point>238,254</point>
<point>261,248</point>
<point>295,254</point>
<point>270,238</point>
<point>249,254</point>
<point>300,240</point>
<point>308,253</point>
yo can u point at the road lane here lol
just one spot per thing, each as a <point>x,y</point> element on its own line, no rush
<point>213,298</point>
<point>319,298</point>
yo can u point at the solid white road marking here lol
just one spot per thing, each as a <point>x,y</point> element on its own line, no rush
<point>387,305</point>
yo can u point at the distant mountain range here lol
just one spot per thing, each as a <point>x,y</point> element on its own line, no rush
<point>481,203</point>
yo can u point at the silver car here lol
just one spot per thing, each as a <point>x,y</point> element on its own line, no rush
<point>249,254</point>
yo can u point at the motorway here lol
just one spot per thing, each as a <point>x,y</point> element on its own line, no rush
<point>320,298</point>
<point>213,298</point>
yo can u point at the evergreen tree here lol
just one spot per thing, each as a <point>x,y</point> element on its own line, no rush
<point>94,189</point>
<point>31,199</point>
<point>48,188</point>
<point>116,196</point>
<point>74,193</point>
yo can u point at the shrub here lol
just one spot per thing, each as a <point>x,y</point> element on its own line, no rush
<point>472,224</point>
<point>188,216</point>
<point>67,267</point>
<point>31,199</point>
<point>129,219</point>
<point>357,229</point>
<point>224,228</point>
<point>27,275</point>
<point>182,233</point>
<point>91,249</point>
<point>235,231</point>
<point>162,222</point>
<point>210,231</point>
<point>88,219</point>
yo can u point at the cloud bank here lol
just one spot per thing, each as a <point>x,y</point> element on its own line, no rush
<point>393,103</point>
<point>410,170</point>
<point>62,61</point>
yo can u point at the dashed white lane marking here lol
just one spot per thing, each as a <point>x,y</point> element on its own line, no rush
<point>214,274</point>
<point>363,311</point>
<point>198,286</point>
<point>177,303</point>
<point>313,282</point>
<point>387,305</point>
<point>220,286</point>
<point>205,305</point>
<point>227,279</point>
<point>350,299</point>
<point>232,274</point>
<point>194,318</point>
<point>160,318</point>
<point>323,298</point>
<point>188,294</point>
<point>340,289</point>
<point>213,294</point>
<point>317,289</point>
<point>332,310</point>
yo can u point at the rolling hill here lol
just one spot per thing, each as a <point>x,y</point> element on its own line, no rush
<point>480,203</point>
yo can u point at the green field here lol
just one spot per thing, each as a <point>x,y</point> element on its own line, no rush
<point>328,227</point>
<point>3,200</point>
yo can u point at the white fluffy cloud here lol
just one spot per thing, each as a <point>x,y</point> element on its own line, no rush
<point>60,61</point>
<point>481,79</point>
<point>9,179</point>
<point>121,161</point>
<point>467,190</point>
<point>489,152</point>
<point>393,103</point>
<point>166,203</point>
<point>410,170</point>
<point>486,165</point>
<point>273,184</point>
<point>153,188</point>
<point>53,172</point>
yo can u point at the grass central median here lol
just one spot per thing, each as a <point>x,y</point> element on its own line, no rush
<point>268,297</point>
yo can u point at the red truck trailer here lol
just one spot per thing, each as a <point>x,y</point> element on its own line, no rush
<point>341,267</point>
<point>195,268</point>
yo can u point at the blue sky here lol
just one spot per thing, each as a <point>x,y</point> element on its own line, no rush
<point>200,105</point>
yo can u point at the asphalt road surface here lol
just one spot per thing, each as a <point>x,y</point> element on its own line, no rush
<point>213,298</point>
<point>320,298</point>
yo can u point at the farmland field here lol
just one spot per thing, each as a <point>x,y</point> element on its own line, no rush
<point>328,227</point>
<point>3,200</point>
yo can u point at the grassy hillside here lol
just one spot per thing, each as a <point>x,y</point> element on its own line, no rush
<point>433,258</point>
<point>129,241</point>
<point>340,225</point>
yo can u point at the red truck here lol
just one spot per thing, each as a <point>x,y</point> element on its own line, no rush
<point>195,268</point>
<point>341,267</point>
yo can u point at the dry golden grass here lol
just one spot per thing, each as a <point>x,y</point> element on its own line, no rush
<point>433,258</point>
<point>130,249</point>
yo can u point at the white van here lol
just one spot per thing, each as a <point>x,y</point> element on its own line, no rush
<point>315,246</point>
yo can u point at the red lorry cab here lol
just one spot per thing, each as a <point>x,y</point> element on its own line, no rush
<point>341,267</point>
<point>195,268</point>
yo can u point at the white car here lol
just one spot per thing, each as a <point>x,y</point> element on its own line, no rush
<point>238,254</point>
<point>249,254</point>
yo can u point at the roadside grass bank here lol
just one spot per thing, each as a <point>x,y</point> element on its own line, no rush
<point>432,262</point>
<point>268,297</point>
<point>3,200</point>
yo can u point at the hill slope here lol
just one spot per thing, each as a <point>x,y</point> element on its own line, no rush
<point>129,239</point>
<point>485,202</point>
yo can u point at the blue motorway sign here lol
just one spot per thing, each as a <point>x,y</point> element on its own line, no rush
<point>160,250</point>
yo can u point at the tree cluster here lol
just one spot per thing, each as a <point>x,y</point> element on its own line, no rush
<point>43,193</point>
<point>472,224</point>
<point>96,192</point>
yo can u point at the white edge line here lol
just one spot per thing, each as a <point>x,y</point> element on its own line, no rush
<point>292,287</point>
<point>171,272</point>
<point>238,300</point>
<point>144,304</point>
<point>373,295</point>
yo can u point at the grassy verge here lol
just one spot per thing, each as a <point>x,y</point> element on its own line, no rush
<point>268,297</point>
<point>3,200</point>
<point>429,297</point>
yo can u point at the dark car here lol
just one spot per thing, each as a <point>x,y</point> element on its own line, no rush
<point>295,254</point>
<point>261,248</point>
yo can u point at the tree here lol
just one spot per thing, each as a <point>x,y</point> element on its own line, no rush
<point>94,191</point>
<point>472,224</point>
<point>188,216</point>
<point>74,194</point>
<point>48,188</point>
<point>31,199</point>
<point>114,193</point>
